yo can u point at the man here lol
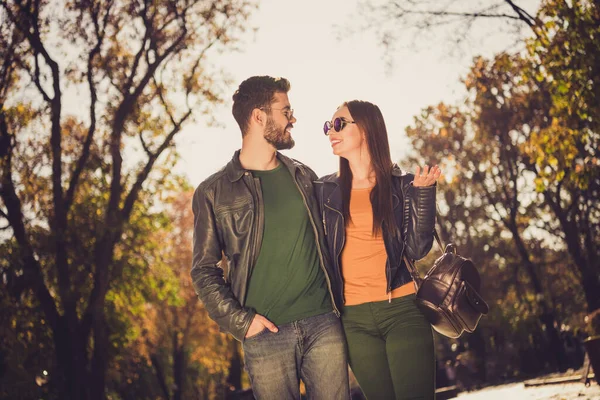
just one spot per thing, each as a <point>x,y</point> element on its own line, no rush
<point>260,213</point>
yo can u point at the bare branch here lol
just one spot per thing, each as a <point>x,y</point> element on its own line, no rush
<point>133,194</point>
<point>141,51</point>
<point>144,145</point>
<point>159,91</point>
<point>435,13</point>
<point>36,80</point>
<point>121,114</point>
<point>14,215</point>
<point>94,98</point>
<point>522,14</point>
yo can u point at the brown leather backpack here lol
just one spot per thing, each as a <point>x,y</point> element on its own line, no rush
<point>448,295</point>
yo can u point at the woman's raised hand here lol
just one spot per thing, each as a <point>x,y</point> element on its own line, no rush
<point>428,177</point>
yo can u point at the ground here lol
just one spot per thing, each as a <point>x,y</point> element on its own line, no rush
<point>518,391</point>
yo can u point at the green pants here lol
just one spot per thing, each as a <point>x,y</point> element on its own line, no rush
<point>390,349</point>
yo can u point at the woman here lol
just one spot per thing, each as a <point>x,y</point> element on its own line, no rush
<point>390,343</point>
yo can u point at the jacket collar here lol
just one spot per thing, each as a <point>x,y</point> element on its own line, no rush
<point>335,179</point>
<point>235,170</point>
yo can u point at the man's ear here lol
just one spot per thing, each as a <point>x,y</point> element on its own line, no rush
<point>258,116</point>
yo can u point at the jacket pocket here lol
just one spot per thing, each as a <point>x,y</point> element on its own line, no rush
<point>235,223</point>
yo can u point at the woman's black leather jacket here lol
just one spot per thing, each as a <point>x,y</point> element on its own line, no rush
<point>416,217</point>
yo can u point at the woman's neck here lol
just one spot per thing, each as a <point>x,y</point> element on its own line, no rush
<point>363,175</point>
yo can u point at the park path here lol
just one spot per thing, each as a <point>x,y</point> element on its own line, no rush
<point>518,391</point>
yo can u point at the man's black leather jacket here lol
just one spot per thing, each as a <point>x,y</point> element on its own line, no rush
<point>417,214</point>
<point>229,221</point>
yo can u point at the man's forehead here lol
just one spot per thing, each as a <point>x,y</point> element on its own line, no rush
<point>281,100</point>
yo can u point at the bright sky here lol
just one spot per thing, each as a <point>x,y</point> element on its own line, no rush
<point>297,40</point>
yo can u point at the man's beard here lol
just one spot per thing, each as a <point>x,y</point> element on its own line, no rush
<point>278,137</point>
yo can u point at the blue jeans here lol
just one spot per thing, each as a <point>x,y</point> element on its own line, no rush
<point>312,349</point>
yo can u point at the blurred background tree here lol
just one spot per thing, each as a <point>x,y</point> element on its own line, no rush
<point>83,258</point>
<point>95,226</point>
<point>177,351</point>
<point>521,187</point>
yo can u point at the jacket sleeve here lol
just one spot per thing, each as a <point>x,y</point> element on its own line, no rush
<point>207,276</point>
<point>419,220</point>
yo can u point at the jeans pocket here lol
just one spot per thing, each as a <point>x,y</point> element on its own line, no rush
<point>257,335</point>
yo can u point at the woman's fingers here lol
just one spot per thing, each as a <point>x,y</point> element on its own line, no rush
<point>428,177</point>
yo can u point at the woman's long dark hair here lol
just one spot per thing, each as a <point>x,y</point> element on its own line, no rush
<point>369,120</point>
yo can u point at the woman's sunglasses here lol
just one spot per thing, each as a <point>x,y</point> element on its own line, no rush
<point>338,125</point>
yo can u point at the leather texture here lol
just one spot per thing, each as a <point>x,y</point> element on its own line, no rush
<point>418,220</point>
<point>229,223</point>
<point>448,295</point>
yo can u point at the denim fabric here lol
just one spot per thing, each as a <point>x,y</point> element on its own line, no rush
<point>391,350</point>
<point>312,349</point>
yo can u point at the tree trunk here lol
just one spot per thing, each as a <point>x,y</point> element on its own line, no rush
<point>100,356</point>
<point>547,317</point>
<point>72,363</point>
<point>178,368</point>
<point>160,375</point>
<point>234,379</point>
<point>590,279</point>
<point>477,344</point>
<point>591,288</point>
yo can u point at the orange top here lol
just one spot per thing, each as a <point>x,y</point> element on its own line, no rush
<point>364,256</point>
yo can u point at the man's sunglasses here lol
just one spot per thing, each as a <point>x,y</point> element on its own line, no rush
<point>338,125</point>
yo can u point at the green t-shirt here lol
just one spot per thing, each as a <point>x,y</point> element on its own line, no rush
<point>287,282</point>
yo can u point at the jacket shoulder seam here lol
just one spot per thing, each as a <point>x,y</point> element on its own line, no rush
<point>206,185</point>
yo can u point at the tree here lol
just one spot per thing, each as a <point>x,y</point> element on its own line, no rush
<point>520,129</point>
<point>419,23</point>
<point>486,195</point>
<point>142,66</point>
<point>563,151</point>
<point>189,356</point>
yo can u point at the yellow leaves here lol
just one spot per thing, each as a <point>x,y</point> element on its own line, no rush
<point>554,150</point>
<point>19,116</point>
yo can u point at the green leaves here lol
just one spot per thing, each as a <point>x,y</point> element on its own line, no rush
<point>521,171</point>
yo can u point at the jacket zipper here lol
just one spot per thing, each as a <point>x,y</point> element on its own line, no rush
<point>257,199</point>
<point>260,218</point>
<point>322,263</point>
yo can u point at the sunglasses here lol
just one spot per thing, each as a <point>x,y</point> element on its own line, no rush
<point>338,125</point>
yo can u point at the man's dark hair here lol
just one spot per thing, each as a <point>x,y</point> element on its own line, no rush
<point>255,92</point>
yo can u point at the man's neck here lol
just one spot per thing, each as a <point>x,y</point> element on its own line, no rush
<point>258,155</point>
